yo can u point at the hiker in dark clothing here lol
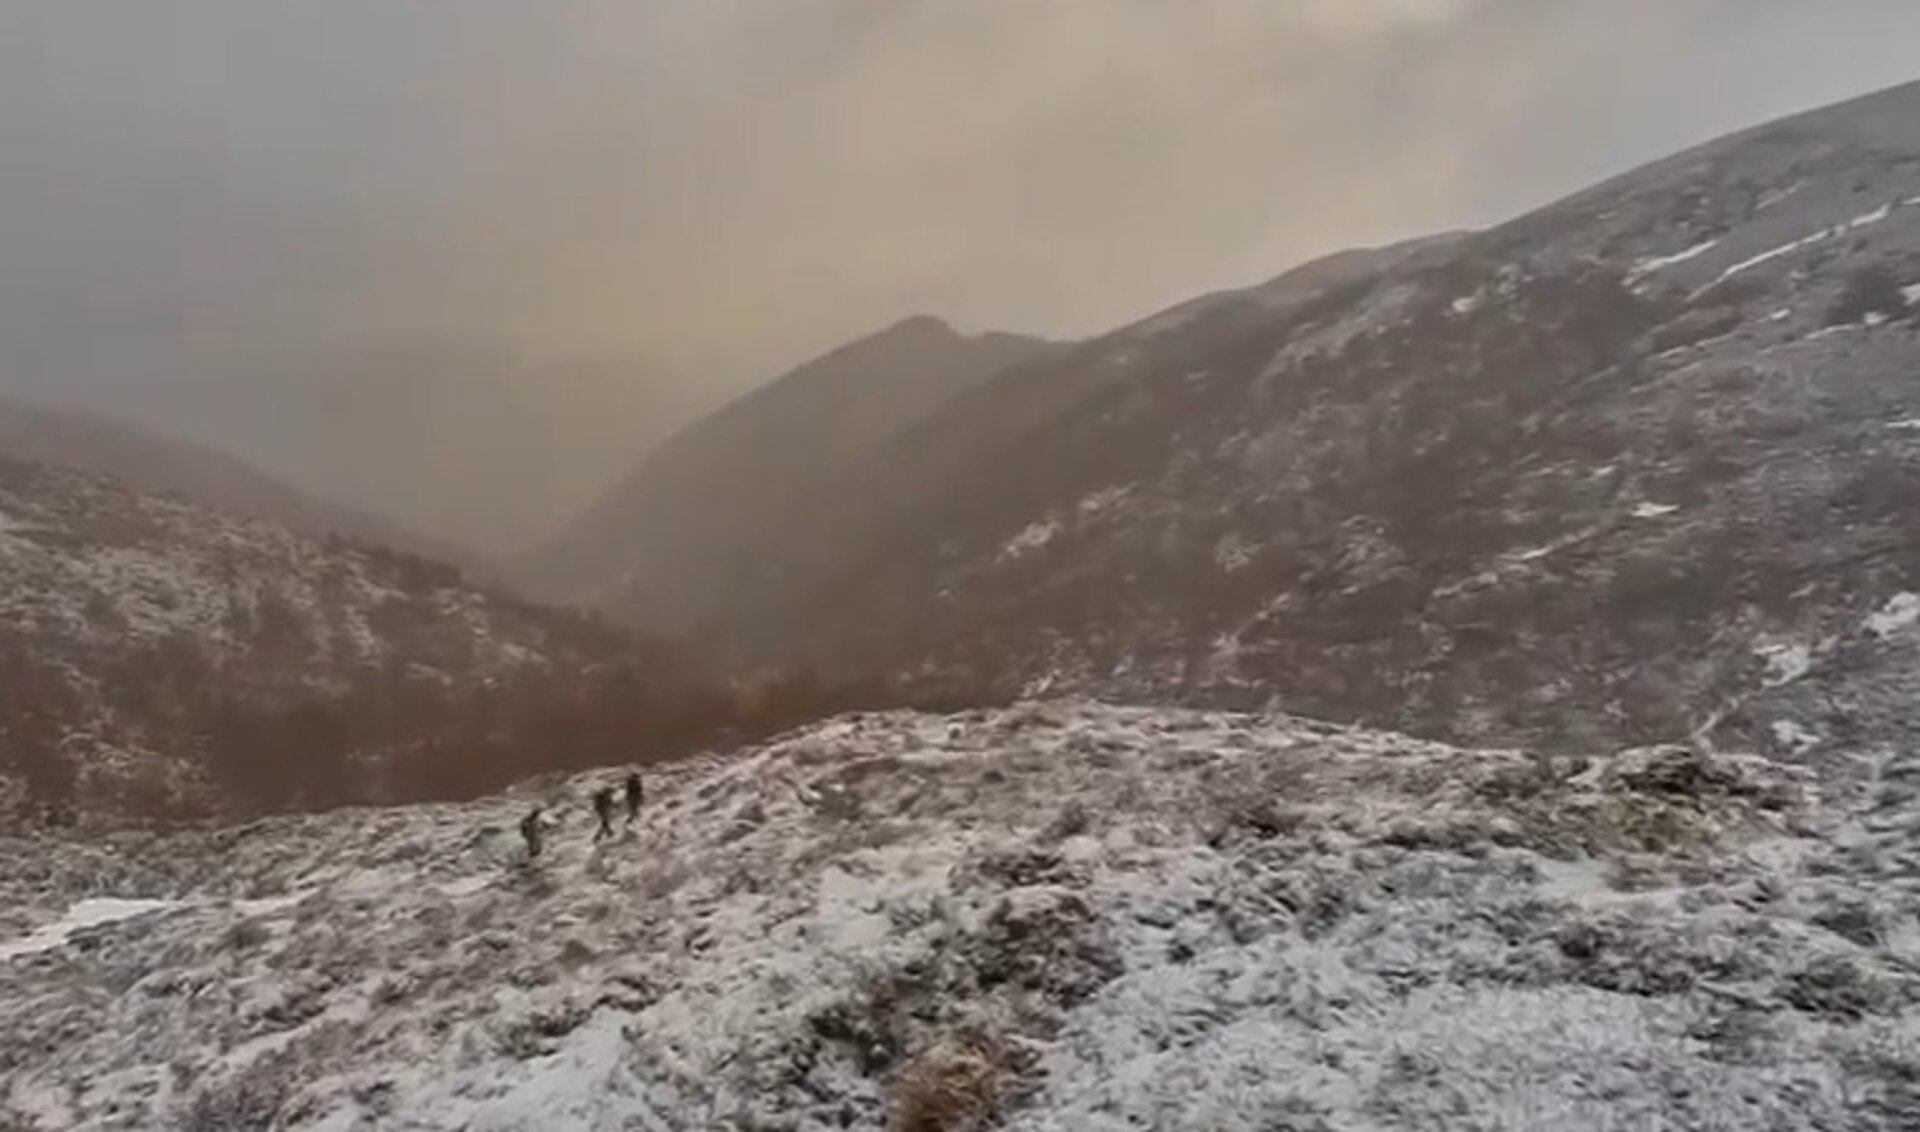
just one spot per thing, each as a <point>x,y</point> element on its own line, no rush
<point>531,828</point>
<point>636,793</point>
<point>603,809</point>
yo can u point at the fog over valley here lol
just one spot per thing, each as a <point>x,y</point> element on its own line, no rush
<point>507,247</point>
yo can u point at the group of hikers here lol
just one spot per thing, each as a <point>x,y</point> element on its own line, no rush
<point>533,826</point>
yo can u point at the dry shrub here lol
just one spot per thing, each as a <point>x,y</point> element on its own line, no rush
<point>950,1087</point>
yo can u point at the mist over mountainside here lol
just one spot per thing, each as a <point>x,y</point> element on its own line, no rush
<point>725,514</point>
<point>465,439</point>
<point>1592,477</point>
<point>150,462</point>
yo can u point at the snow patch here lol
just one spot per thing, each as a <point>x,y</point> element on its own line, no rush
<point>1233,553</point>
<point>1775,196</point>
<point>1790,735</point>
<point>1785,663</point>
<point>1772,254</point>
<point>1807,241</point>
<point>1867,219</point>
<point>1095,503</point>
<point>1652,264</point>
<point>1034,536</point>
<point>93,912</point>
<point>1901,611</point>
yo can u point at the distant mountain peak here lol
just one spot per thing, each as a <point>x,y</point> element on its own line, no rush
<point>920,324</point>
<point>678,535</point>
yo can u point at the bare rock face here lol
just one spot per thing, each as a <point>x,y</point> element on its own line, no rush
<point>1597,477</point>
<point>1059,915</point>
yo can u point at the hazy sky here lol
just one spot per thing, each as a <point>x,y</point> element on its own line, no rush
<point>251,219</point>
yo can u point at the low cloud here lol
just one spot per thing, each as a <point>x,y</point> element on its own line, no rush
<point>230,195</point>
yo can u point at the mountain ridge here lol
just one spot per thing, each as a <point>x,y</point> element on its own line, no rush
<point>148,460</point>
<point>1522,485</point>
<point>659,544</point>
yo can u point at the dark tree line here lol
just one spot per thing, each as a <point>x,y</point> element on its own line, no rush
<point>37,705</point>
<point>392,741</point>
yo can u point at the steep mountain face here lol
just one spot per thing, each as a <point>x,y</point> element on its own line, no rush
<point>719,517</point>
<point>153,463</point>
<point>1618,470</point>
<point>1055,917</point>
<point>125,617</point>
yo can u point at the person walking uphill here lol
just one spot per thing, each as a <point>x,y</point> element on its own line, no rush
<point>603,809</point>
<point>531,828</point>
<point>636,793</point>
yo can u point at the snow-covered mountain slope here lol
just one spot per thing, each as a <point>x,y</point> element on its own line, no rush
<point>1571,480</point>
<point>153,463</point>
<point>722,515</point>
<point>1050,917</point>
<point>125,615</point>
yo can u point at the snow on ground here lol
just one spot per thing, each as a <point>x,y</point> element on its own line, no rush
<point>1034,536</point>
<point>1902,610</point>
<point>1233,553</point>
<point>1792,736</point>
<point>1772,254</point>
<point>1096,503</point>
<point>1864,220</point>
<point>93,912</point>
<point>1867,219</point>
<point>1652,264</point>
<point>1055,917</point>
<point>1786,662</point>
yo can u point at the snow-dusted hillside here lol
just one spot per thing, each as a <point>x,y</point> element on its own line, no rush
<point>1570,480</point>
<point>120,611</point>
<point>1055,916</point>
